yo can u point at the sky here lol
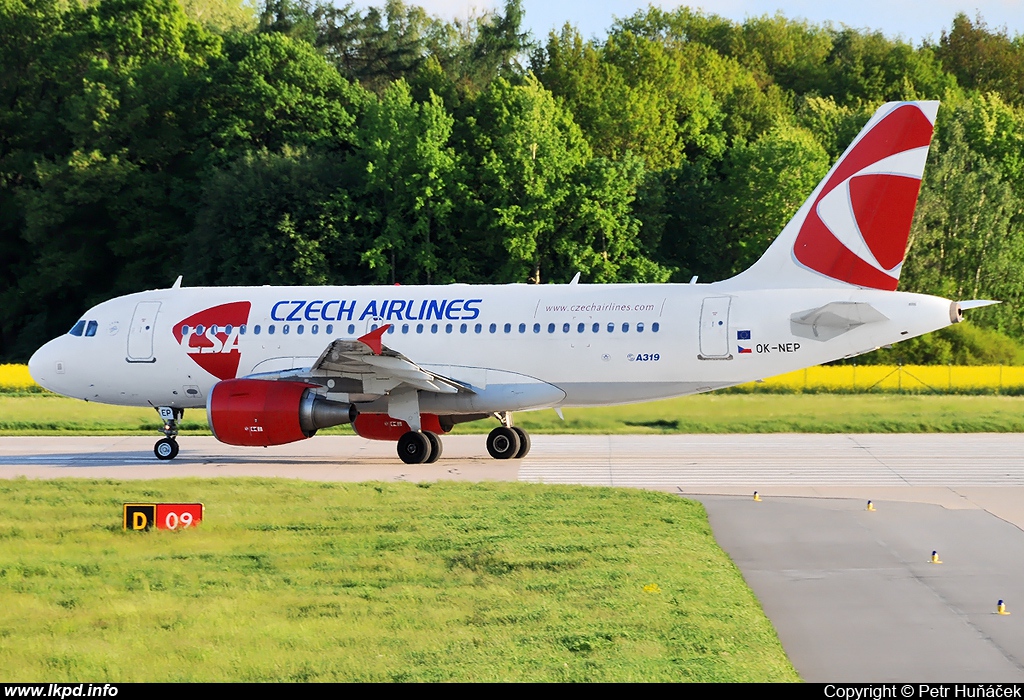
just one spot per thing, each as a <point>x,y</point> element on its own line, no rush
<point>913,20</point>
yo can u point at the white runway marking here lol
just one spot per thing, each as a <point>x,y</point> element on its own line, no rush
<point>699,461</point>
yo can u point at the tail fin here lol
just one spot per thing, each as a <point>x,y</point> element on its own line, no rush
<point>853,229</point>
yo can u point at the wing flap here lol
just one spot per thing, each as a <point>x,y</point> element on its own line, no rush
<point>378,367</point>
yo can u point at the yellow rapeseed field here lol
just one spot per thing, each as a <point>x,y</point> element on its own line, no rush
<point>16,378</point>
<point>894,378</point>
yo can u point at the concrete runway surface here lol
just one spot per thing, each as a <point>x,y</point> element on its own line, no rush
<point>851,592</point>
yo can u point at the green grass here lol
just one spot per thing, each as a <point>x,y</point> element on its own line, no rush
<point>296,581</point>
<point>46,414</point>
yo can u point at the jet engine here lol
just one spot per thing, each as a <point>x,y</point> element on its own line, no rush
<point>260,412</point>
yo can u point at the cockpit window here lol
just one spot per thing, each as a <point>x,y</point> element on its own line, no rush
<point>78,328</point>
<point>90,329</point>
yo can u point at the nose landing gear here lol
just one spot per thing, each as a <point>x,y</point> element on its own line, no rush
<point>167,448</point>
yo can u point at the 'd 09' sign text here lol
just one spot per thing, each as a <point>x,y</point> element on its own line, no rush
<point>163,516</point>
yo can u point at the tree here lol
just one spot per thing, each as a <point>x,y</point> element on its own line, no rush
<point>277,218</point>
<point>407,172</point>
<point>100,199</point>
<point>984,60</point>
<point>540,206</point>
<point>967,240</point>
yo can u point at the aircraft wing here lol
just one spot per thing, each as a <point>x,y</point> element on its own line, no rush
<point>379,368</point>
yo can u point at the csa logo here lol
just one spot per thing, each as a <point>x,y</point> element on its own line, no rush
<point>856,231</point>
<point>210,337</point>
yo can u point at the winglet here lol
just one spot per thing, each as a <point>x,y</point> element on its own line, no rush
<point>372,339</point>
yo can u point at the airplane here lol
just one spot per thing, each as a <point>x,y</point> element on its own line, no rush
<point>273,365</point>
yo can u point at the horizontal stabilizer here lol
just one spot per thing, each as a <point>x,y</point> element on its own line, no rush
<point>833,319</point>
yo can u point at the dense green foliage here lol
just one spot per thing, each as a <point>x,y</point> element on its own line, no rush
<point>293,581</point>
<point>306,143</point>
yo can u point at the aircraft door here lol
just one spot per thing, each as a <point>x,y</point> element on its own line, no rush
<point>140,335</point>
<point>714,328</point>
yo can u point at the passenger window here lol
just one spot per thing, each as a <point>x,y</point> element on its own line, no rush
<point>200,328</point>
<point>508,327</point>
<point>536,328</point>
<point>184,331</point>
<point>419,327</point>
<point>580,328</point>
<point>270,329</point>
<point>351,329</point>
<point>285,329</point>
<point>433,328</point>
<point>241,329</point>
<point>448,328</point>
<point>314,329</point>
<point>256,329</point>
<point>492,328</point>
<point>330,329</point>
<point>565,327</point>
<point>405,328</point>
<point>301,329</point>
<point>596,328</point>
<point>655,327</point>
<point>522,327</point>
<point>228,328</point>
<point>639,328</point>
<point>611,327</point>
<point>462,328</point>
<point>391,329</point>
<point>551,328</point>
<point>79,328</point>
<point>90,329</point>
<point>215,329</point>
<point>625,328</point>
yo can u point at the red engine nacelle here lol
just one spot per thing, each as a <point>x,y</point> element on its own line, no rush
<point>260,412</point>
<point>381,426</point>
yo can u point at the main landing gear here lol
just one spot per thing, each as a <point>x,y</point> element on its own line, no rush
<point>504,442</point>
<point>419,447</point>
<point>508,443</point>
<point>167,448</point>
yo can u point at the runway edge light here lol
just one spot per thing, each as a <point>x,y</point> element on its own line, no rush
<point>871,506</point>
<point>935,557</point>
<point>165,516</point>
<point>1001,609</point>
<point>756,496</point>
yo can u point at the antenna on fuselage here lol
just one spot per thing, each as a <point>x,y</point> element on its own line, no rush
<point>576,279</point>
<point>177,283</point>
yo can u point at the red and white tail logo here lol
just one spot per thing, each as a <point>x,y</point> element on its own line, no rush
<point>210,337</point>
<point>854,227</point>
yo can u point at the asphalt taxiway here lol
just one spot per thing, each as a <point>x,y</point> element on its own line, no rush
<point>851,592</point>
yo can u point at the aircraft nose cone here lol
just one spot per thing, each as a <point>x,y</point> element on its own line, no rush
<point>44,365</point>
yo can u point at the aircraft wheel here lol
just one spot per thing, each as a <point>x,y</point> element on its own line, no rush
<point>524,443</point>
<point>166,449</point>
<point>503,443</point>
<point>436,447</point>
<point>414,447</point>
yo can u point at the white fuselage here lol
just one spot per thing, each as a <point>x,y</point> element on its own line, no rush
<point>575,345</point>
